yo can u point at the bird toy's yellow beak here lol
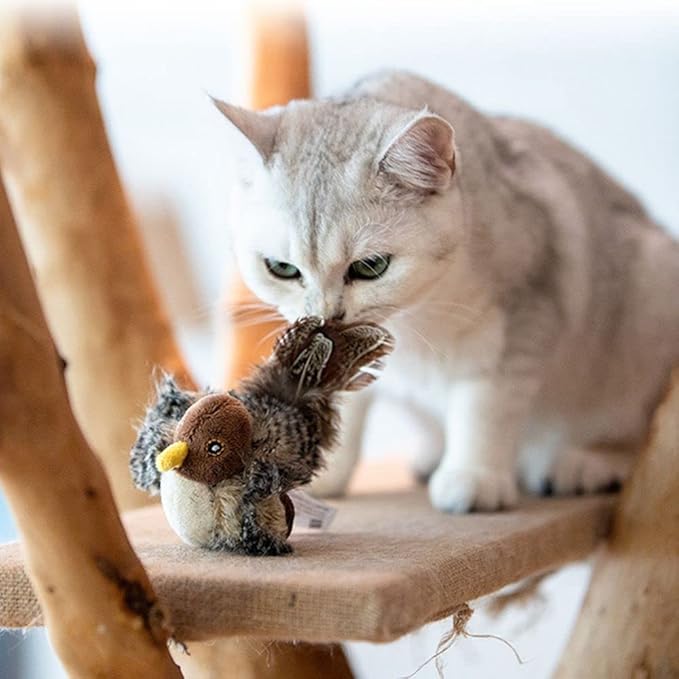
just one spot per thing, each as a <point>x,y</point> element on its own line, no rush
<point>172,457</point>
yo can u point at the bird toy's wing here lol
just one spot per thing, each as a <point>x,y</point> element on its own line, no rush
<point>157,431</point>
<point>310,363</point>
<point>330,356</point>
<point>340,357</point>
<point>295,340</point>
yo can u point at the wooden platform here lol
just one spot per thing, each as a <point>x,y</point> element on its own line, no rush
<point>387,565</point>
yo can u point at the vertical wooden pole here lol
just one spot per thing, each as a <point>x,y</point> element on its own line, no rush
<point>101,304</point>
<point>281,69</point>
<point>629,624</point>
<point>100,610</point>
<point>281,72</point>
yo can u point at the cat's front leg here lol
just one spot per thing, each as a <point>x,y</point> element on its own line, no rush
<point>341,461</point>
<point>485,418</point>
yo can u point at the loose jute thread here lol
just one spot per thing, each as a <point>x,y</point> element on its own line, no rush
<point>460,617</point>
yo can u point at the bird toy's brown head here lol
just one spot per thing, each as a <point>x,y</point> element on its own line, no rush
<point>213,440</point>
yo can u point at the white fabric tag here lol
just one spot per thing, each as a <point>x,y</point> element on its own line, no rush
<point>310,513</point>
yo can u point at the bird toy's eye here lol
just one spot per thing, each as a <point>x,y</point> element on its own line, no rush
<point>215,448</point>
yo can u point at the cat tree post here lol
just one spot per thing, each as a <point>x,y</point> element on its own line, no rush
<point>96,598</point>
<point>101,302</point>
<point>280,72</point>
<point>628,626</point>
<point>102,307</point>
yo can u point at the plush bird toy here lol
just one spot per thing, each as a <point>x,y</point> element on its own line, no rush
<point>223,462</point>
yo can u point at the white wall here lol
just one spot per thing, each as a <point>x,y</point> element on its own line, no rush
<point>605,75</point>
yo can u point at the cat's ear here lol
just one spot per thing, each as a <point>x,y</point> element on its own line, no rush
<point>422,155</point>
<point>259,128</point>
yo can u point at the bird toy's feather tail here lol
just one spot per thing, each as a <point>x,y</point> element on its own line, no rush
<point>359,350</point>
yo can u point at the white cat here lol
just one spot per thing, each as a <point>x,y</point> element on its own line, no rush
<point>535,304</point>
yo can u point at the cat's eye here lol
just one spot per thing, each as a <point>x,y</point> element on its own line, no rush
<point>215,448</point>
<point>282,269</point>
<point>369,268</point>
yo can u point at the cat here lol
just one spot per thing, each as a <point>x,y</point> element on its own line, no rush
<point>535,304</point>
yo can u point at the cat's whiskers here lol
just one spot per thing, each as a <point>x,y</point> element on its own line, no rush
<point>466,320</point>
<point>203,311</point>
<point>452,314</point>
<point>246,314</point>
<point>252,313</point>
<point>411,328</point>
<point>258,321</point>
<point>246,307</point>
<point>427,342</point>
<point>443,303</point>
<point>267,336</point>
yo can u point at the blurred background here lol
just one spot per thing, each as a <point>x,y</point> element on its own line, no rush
<point>602,74</point>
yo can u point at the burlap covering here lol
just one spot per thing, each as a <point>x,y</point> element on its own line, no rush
<point>388,564</point>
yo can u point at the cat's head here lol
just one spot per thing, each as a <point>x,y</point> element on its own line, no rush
<point>345,209</point>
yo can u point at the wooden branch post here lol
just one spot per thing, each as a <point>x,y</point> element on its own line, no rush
<point>281,72</point>
<point>111,329</point>
<point>629,625</point>
<point>82,240</point>
<point>99,607</point>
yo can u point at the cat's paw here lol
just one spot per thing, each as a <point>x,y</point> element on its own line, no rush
<point>578,470</point>
<point>461,490</point>
<point>425,464</point>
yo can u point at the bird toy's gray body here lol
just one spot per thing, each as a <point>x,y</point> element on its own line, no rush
<point>223,463</point>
